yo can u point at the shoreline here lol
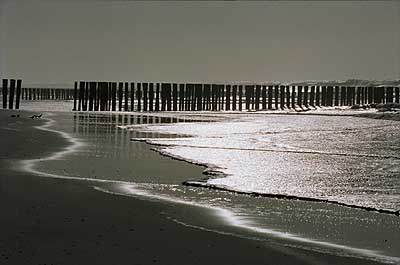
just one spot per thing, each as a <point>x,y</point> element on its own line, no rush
<point>212,171</point>
<point>125,183</point>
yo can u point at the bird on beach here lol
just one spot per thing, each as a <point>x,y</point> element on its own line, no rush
<point>36,116</point>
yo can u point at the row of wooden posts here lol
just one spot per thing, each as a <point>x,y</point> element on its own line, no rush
<point>124,96</point>
<point>47,93</point>
<point>11,91</point>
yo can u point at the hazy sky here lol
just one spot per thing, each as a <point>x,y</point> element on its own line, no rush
<point>198,41</point>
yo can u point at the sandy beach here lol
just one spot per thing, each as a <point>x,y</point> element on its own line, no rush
<point>56,221</point>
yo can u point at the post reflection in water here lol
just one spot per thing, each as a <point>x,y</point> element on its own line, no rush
<point>111,129</point>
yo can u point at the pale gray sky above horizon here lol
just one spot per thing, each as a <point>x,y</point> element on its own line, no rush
<point>56,42</point>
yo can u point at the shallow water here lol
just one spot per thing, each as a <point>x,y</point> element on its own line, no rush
<point>106,152</point>
<point>351,160</point>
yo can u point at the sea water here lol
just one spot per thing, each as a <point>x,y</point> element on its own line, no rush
<point>346,159</point>
<point>355,161</point>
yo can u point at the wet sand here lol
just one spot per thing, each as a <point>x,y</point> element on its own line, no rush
<point>56,221</point>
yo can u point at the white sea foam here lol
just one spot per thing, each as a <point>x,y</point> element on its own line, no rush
<point>236,221</point>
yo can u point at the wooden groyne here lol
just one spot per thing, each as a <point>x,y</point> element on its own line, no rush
<point>11,93</point>
<point>38,93</point>
<point>150,96</point>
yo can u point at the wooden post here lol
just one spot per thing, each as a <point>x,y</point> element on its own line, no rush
<point>120,89</point>
<point>189,98</point>
<point>100,96</point>
<point>163,97</point>
<point>12,91</point>
<point>97,107</point>
<point>132,96</point>
<point>95,97</point>
<point>397,95</point>
<point>276,97</point>
<point>270,91</point>
<point>300,96</point>
<point>181,97</point>
<point>317,96</point>
<point>358,95</point>
<point>219,96</point>
<point>336,103</point>
<point>199,95</point>
<point>342,96</point>
<point>228,97</point>
<point>370,95</point>
<point>214,97</point>
<point>86,95</point>
<point>282,97</point>
<point>234,97</point>
<point>257,97</point>
<point>240,87</point>
<point>174,97</point>
<point>305,97</point>
<point>323,96</point>
<point>349,96</point>
<point>381,94</point>
<point>126,100</point>
<point>329,96</point>
<point>193,98</point>
<point>81,93</point>
<point>248,96</point>
<point>168,95</point>
<point>312,96</point>
<point>252,97</point>
<point>5,93</point>
<point>139,96</point>
<point>151,96</point>
<point>109,95</point>
<point>389,95</point>
<point>264,97</point>
<point>288,97</point>
<point>157,106</point>
<point>91,94</point>
<point>205,97</point>
<point>363,96</point>
<point>113,96</point>
<point>145,95</point>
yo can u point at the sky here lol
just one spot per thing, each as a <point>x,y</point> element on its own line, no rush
<point>63,41</point>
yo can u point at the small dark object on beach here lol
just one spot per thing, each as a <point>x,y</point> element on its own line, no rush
<point>15,116</point>
<point>36,116</point>
<point>355,106</point>
<point>366,106</point>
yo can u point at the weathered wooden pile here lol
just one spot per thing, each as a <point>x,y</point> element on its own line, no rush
<point>11,90</point>
<point>145,96</point>
<point>37,93</point>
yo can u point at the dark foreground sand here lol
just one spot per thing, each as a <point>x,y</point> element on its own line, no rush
<point>54,221</point>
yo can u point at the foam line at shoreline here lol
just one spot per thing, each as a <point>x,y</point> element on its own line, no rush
<point>233,220</point>
<point>129,189</point>
<point>28,165</point>
<point>312,152</point>
<point>215,171</point>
